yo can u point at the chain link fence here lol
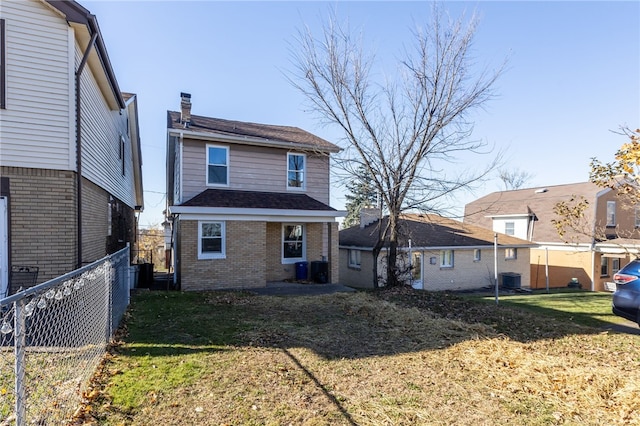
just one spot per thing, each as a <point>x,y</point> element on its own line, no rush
<point>53,337</point>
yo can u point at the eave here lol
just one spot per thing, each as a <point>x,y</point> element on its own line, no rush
<point>247,140</point>
<point>267,215</point>
<point>85,25</point>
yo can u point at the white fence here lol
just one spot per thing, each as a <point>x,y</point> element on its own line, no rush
<point>54,335</point>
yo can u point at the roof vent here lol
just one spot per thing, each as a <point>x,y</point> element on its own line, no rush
<point>541,190</point>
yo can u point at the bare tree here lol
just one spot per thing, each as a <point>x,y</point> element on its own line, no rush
<point>623,176</point>
<point>408,130</point>
<point>514,179</point>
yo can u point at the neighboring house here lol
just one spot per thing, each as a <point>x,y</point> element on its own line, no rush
<point>444,254</point>
<point>70,159</point>
<point>606,242</point>
<point>248,202</point>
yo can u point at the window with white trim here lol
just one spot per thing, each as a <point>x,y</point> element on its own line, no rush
<point>611,213</point>
<point>604,267</point>
<point>295,171</point>
<point>510,253</point>
<point>615,265</point>
<point>211,240</point>
<point>446,258</point>
<point>293,243</point>
<point>509,228</point>
<point>637,217</point>
<point>477,255</point>
<point>354,258</point>
<point>217,165</point>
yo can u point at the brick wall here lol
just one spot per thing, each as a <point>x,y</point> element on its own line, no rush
<point>317,249</point>
<point>43,220</point>
<point>276,270</point>
<point>95,202</point>
<point>96,241</point>
<point>243,267</point>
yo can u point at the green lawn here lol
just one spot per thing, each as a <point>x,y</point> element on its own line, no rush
<point>580,307</point>
<point>398,357</point>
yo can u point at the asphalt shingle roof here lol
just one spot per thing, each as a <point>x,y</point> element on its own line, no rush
<point>429,231</point>
<point>254,132</point>
<point>228,198</point>
<point>539,201</point>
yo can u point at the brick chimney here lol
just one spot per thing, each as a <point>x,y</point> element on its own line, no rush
<point>185,109</point>
<point>368,215</point>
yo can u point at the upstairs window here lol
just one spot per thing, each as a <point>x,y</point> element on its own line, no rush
<point>637,221</point>
<point>122,154</point>
<point>295,171</point>
<point>611,213</point>
<point>217,165</point>
<point>3,68</point>
<point>509,228</point>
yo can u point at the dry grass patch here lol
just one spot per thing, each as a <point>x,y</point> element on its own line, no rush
<point>367,359</point>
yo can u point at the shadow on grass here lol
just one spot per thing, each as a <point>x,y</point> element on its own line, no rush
<point>159,350</point>
<point>354,325</point>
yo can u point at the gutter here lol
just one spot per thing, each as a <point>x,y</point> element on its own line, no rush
<point>85,57</point>
<point>249,140</point>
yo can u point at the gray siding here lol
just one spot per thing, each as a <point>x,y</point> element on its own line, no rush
<point>252,168</point>
<point>37,126</point>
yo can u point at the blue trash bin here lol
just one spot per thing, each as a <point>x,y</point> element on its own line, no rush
<point>301,270</point>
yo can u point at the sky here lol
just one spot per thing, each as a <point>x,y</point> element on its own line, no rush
<point>572,78</point>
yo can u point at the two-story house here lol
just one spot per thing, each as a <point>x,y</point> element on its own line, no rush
<point>70,162</point>
<point>249,202</point>
<point>603,240</point>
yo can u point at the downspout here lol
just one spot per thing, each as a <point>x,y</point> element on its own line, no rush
<point>85,57</point>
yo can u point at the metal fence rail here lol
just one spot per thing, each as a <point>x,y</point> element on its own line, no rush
<point>54,335</point>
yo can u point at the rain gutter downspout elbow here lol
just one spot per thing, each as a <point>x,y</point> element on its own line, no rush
<point>81,66</point>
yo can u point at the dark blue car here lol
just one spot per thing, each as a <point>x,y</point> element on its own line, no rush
<point>626,299</point>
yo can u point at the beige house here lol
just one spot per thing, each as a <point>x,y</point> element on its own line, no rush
<point>70,160</point>
<point>436,253</point>
<point>591,255</point>
<point>249,203</point>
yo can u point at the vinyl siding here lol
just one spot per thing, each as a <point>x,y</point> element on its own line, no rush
<point>252,169</point>
<point>101,132</point>
<point>36,128</point>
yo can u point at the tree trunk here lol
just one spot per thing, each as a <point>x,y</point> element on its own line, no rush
<point>392,253</point>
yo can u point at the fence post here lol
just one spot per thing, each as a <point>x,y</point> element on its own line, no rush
<point>19,336</point>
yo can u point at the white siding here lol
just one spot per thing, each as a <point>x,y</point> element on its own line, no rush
<point>253,168</point>
<point>520,225</point>
<point>35,127</point>
<point>101,132</point>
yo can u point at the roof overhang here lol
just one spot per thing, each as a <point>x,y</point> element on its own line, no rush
<point>136,150</point>
<point>511,216</point>
<point>85,25</point>
<point>488,246</point>
<point>247,140</point>
<point>265,215</point>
